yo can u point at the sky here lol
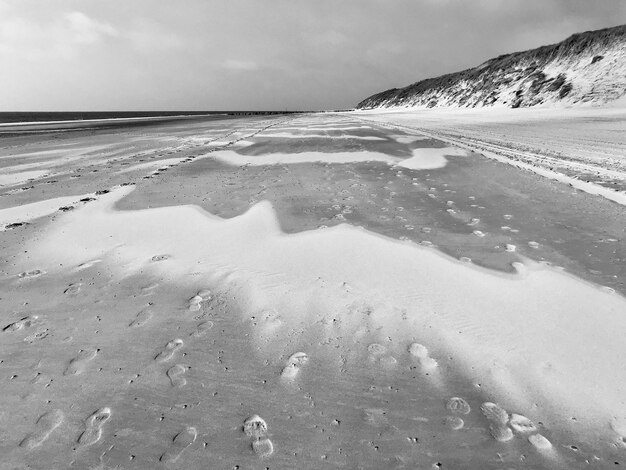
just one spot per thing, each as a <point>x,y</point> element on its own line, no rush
<point>114,55</point>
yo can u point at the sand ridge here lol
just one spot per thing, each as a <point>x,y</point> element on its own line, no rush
<point>487,309</point>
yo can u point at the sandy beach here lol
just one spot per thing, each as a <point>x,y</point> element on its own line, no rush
<point>332,290</point>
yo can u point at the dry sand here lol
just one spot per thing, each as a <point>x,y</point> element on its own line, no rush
<point>214,294</point>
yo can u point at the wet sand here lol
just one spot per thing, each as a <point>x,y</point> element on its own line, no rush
<point>113,357</point>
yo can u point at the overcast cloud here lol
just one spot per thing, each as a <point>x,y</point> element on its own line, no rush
<point>259,54</point>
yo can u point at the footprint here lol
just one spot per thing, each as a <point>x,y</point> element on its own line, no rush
<point>619,426</point>
<point>421,352</point>
<point>263,447</point>
<point>93,426</point>
<point>388,362</point>
<point>169,350</point>
<point>147,290</point>
<point>15,225</point>
<point>418,350</point>
<point>79,363</point>
<point>428,363</point>
<point>375,417</point>
<point>88,264</point>
<point>458,405</point>
<point>181,441</point>
<point>205,294</point>
<point>22,323</point>
<point>454,422</point>
<point>255,427</point>
<point>141,318</point>
<point>376,349</point>
<point>175,374</point>
<point>294,363</point>
<point>46,423</point>
<point>72,289</point>
<point>540,442</point>
<point>521,424</point>
<point>29,274</point>
<point>39,334</point>
<point>270,321</point>
<point>195,303</point>
<point>498,419</point>
<point>202,329</point>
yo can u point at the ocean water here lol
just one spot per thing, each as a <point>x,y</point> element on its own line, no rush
<point>20,117</point>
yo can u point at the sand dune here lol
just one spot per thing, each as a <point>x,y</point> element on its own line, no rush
<point>512,345</point>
